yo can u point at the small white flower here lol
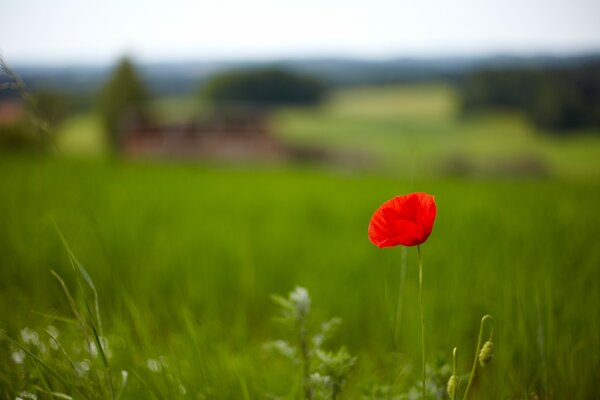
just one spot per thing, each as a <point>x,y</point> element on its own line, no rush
<point>53,344</point>
<point>18,356</point>
<point>319,379</point>
<point>153,365</point>
<point>92,349</point>
<point>53,331</point>
<point>25,334</point>
<point>301,299</point>
<point>282,347</point>
<point>27,395</point>
<point>30,336</point>
<point>82,367</point>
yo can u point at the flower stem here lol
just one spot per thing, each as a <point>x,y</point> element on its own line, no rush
<point>485,318</point>
<point>305,362</point>
<point>454,357</point>
<point>400,293</point>
<point>422,316</point>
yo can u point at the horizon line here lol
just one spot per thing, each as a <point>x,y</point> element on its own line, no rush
<point>273,58</point>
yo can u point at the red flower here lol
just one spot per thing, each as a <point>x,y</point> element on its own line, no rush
<point>404,220</point>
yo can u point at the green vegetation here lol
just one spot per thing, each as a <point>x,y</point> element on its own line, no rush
<point>262,88</point>
<point>51,105</point>
<point>185,258</point>
<point>415,131</point>
<point>82,135</point>
<point>122,99</point>
<point>555,99</point>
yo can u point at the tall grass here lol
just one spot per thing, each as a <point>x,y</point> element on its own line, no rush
<point>184,259</point>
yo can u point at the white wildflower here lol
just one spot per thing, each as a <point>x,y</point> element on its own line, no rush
<point>282,347</point>
<point>92,349</point>
<point>53,331</point>
<point>30,336</point>
<point>27,395</point>
<point>153,365</point>
<point>301,299</point>
<point>319,379</point>
<point>18,356</point>
<point>83,367</point>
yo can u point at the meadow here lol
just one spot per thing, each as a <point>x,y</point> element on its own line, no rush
<point>185,257</point>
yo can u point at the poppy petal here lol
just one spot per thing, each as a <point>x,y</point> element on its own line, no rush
<point>403,220</point>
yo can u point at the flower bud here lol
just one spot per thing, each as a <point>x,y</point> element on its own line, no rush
<point>486,353</point>
<point>452,384</point>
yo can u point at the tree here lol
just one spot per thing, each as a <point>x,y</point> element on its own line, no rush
<point>123,97</point>
<point>262,89</point>
<point>558,99</point>
<point>52,105</point>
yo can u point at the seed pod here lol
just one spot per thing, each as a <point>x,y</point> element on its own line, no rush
<point>487,353</point>
<point>452,384</point>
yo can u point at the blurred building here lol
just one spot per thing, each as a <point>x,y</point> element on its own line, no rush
<point>232,135</point>
<point>12,112</point>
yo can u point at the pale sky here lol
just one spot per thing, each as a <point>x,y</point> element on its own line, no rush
<point>89,31</point>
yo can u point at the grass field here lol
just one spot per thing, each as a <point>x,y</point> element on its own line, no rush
<point>414,131</point>
<point>186,256</point>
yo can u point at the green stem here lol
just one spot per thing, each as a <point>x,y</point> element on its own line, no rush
<point>306,363</point>
<point>454,357</point>
<point>485,318</point>
<point>422,316</point>
<point>400,293</point>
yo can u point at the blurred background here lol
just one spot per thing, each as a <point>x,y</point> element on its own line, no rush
<point>200,156</point>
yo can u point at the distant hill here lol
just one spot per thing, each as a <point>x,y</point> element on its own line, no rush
<point>185,77</point>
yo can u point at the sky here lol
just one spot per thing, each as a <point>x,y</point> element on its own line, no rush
<point>92,31</point>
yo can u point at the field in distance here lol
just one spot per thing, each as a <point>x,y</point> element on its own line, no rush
<point>405,131</point>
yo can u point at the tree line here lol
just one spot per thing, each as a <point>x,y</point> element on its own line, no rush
<point>124,98</point>
<point>558,99</point>
<point>554,99</point>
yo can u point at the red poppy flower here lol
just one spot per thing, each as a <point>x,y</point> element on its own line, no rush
<point>404,220</point>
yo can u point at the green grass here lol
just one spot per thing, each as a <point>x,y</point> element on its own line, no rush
<point>82,135</point>
<point>185,259</point>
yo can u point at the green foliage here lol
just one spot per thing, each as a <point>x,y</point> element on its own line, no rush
<point>263,88</point>
<point>27,133</point>
<point>324,372</point>
<point>30,118</point>
<point>184,258</point>
<point>122,99</point>
<point>559,99</point>
<point>19,137</point>
<point>51,105</point>
<point>333,371</point>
